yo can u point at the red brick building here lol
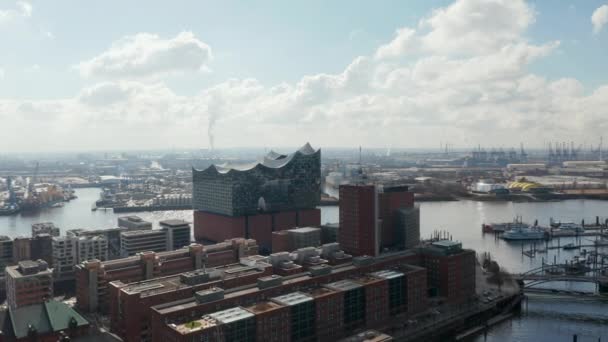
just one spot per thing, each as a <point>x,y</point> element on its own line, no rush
<point>217,227</point>
<point>130,303</point>
<point>328,311</point>
<point>359,232</point>
<point>450,271</point>
<point>93,276</point>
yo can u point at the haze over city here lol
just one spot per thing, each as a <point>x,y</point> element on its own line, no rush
<point>116,75</point>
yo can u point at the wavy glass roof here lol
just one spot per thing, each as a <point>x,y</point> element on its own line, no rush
<point>272,160</point>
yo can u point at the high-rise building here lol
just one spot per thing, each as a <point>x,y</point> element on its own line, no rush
<point>375,218</point>
<point>29,282</point>
<point>359,233</point>
<point>280,192</point>
<point>178,233</point>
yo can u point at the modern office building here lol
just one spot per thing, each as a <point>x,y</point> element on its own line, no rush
<point>29,282</point>
<point>133,223</point>
<point>178,233</point>
<point>376,218</point>
<point>137,241</point>
<point>280,192</point>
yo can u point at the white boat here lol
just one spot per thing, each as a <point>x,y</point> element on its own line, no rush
<point>523,233</point>
<point>575,227</point>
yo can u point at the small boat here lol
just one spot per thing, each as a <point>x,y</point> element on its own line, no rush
<point>571,246</point>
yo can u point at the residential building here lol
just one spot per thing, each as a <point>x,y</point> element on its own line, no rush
<point>304,237</point>
<point>65,256</point>
<point>111,235</point>
<point>29,282</point>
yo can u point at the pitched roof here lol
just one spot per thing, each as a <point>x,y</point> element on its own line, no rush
<point>51,316</point>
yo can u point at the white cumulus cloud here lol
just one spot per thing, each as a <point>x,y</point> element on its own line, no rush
<point>148,55</point>
<point>599,18</point>
<point>446,88</point>
<point>22,9</point>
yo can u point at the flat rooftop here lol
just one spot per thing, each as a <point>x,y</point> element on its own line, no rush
<point>174,223</point>
<point>262,307</point>
<point>293,298</point>
<point>231,315</point>
<point>388,274</point>
<point>343,285</point>
<point>143,232</point>
<point>166,284</point>
<point>320,292</point>
<point>304,230</point>
<point>196,325</point>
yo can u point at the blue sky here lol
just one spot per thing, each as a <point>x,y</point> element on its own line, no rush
<point>281,44</point>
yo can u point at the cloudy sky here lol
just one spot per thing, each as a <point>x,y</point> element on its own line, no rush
<point>162,74</point>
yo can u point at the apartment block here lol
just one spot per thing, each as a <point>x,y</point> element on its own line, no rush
<point>29,282</point>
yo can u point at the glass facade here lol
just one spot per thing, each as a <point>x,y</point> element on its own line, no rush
<point>354,306</point>
<point>303,321</point>
<point>278,183</point>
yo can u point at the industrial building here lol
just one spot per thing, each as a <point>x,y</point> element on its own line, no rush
<point>280,192</point>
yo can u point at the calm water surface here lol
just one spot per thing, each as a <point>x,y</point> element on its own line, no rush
<point>548,318</point>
